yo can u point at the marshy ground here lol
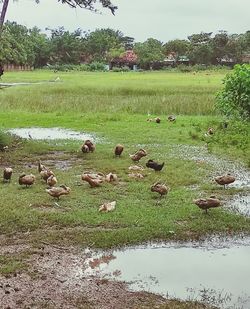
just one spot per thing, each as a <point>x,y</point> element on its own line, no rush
<point>43,240</point>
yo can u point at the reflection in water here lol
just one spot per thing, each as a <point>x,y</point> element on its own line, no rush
<point>218,276</point>
<point>50,134</point>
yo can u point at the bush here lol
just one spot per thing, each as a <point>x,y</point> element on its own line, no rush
<point>94,66</point>
<point>184,68</point>
<point>4,140</point>
<point>122,69</point>
<point>234,99</point>
<point>97,66</point>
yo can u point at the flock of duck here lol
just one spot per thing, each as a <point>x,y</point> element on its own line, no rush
<point>96,179</point>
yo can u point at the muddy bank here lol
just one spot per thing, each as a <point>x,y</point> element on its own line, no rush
<point>55,279</point>
<point>215,272</point>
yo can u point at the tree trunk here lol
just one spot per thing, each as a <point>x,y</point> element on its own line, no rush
<point>3,13</point>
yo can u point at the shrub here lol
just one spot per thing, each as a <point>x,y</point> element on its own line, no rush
<point>97,66</point>
<point>184,68</point>
<point>4,140</point>
<point>234,99</point>
<point>122,69</point>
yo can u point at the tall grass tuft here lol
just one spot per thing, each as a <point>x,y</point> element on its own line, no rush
<point>157,93</point>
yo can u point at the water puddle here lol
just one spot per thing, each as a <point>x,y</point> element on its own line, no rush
<point>211,272</point>
<point>220,165</point>
<point>51,134</point>
<point>27,83</point>
<point>240,204</point>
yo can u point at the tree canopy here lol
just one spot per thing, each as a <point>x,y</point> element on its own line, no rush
<point>23,46</point>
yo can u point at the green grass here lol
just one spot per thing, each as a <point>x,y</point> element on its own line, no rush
<point>154,92</point>
<point>114,106</point>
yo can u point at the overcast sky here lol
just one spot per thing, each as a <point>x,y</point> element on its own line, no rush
<point>141,19</point>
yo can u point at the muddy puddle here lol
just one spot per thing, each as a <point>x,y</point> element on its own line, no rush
<point>51,134</point>
<point>219,164</point>
<point>216,272</point>
<point>240,204</point>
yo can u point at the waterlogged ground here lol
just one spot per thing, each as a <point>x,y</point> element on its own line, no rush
<point>55,278</point>
<point>215,271</point>
<point>51,134</point>
<point>239,203</point>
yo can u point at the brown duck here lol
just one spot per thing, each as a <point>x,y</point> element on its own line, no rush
<point>225,180</point>
<point>51,181</point>
<point>26,180</point>
<point>90,145</point>
<point>58,191</point>
<point>85,148</point>
<point>111,177</point>
<point>45,174</point>
<point>206,203</point>
<point>41,167</point>
<point>119,149</point>
<point>160,188</point>
<point>7,172</point>
<point>93,182</point>
<point>138,155</point>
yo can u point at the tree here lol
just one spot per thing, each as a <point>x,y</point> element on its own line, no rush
<point>234,99</point>
<point>179,47</point>
<point>201,50</point>
<point>100,42</point>
<point>86,4</point>
<point>219,46</point>
<point>66,47</point>
<point>149,52</point>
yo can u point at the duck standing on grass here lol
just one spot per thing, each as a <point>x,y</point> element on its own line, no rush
<point>160,188</point>
<point>154,165</point>
<point>58,191</point>
<point>93,182</point>
<point>138,155</point>
<point>206,203</point>
<point>45,174</point>
<point>119,149</point>
<point>225,180</point>
<point>41,167</point>
<point>7,172</point>
<point>26,180</point>
<point>90,145</point>
<point>51,181</point>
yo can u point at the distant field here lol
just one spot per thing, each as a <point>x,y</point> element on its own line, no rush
<point>154,92</point>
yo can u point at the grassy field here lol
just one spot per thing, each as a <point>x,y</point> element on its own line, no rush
<point>154,92</point>
<point>114,106</point>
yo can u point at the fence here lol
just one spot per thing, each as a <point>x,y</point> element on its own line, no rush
<point>13,67</point>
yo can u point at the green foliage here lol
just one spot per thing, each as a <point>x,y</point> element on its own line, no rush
<point>180,47</point>
<point>96,66</point>
<point>100,43</point>
<point>234,99</point>
<point>4,140</point>
<point>131,92</point>
<point>121,69</point>
<point>148,52</point>
<point>92,67</point>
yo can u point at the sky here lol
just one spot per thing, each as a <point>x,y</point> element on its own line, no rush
<point>161,19</point>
